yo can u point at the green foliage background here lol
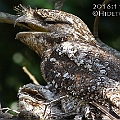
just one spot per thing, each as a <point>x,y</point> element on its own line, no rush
<point>14,54</point>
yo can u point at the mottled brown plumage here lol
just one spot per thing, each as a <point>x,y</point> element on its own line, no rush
<point>72,61</point>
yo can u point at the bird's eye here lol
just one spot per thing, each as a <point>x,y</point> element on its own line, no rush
<point>56,22</point>
<point>50,22</point>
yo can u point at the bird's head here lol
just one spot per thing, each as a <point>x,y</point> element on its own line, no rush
<point>47,28</point>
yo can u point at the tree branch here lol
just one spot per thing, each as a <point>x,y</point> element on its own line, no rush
<point>31,76</point>
<point>10,19</point>
<point>97,19</point>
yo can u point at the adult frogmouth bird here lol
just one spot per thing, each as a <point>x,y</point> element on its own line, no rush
<point>72,62</point>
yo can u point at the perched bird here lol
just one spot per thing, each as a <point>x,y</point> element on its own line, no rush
<point>72,62</point>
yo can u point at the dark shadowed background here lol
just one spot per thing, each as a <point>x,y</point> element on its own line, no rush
<point>14,54</point>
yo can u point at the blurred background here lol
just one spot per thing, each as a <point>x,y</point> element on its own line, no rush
<point>14,54</point>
